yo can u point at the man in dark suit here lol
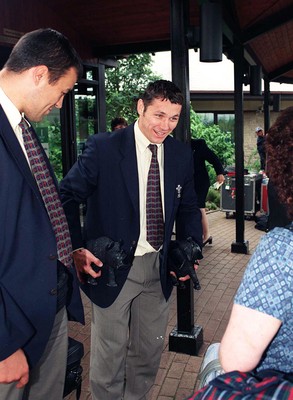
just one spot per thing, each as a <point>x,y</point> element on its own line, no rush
<point>37,280</point>
<point>129,320</point>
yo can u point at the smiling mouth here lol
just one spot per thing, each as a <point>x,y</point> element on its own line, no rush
<point>161,133</point>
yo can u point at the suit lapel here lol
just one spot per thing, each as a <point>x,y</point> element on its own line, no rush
<point>129,165</point>
<point>14,148</point>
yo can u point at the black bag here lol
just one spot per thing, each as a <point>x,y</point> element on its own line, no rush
<point>262,223</point>
<point>73,378</point>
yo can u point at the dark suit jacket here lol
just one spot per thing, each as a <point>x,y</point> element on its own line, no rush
<point>28,256</point>
<point>201,154</point>
<point>106,176</point>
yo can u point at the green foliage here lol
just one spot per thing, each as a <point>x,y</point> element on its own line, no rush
<point>252,163</point>
<point>217,140</point>
<point>213,199</point>
<point>125,83</point>
<point>227,124</point>
<point>54,140</point>
<point>55,149</point>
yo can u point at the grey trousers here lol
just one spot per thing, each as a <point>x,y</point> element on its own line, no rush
<point>46,379</point>
<point>127,338</point>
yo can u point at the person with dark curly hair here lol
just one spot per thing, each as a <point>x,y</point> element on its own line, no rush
<point>259,332</point>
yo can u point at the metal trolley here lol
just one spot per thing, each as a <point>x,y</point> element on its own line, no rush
<point>252,189</point>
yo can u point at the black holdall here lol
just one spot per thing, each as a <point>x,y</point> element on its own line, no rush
<point>73,377</point>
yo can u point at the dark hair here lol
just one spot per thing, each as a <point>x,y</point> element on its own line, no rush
<point>118,121</point>
<point>44,47</point>
<point>162,89</point>
<point>279,147</point>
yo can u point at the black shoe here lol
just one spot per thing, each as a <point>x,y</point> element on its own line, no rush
<point>208,241</point>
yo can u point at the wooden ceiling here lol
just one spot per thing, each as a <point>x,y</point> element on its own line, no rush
<point>111,28</point>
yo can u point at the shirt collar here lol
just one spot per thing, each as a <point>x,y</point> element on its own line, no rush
<point>141,141</point>
<point>12,113</point>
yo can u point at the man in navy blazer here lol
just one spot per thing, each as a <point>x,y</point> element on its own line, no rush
<point>129,321</point>
<point>35,286</point>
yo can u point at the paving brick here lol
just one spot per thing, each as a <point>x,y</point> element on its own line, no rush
<point>169,387</point>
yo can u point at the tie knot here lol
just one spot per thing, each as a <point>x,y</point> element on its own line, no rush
<point>153,148</point>
<point>23,124</point>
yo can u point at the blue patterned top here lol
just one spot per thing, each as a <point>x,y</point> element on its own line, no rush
<point>267,286</point>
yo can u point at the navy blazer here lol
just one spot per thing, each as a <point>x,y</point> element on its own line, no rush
<point>106,178</point>
<point>28,257</point>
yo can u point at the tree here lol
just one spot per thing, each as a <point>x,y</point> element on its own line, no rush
<point>125,83</point>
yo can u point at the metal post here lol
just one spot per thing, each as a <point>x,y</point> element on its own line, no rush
<point>101,99</point>
<point>240,245</point>
<point>186,337</point>
<point>179,60</point>
<point>266,104</point>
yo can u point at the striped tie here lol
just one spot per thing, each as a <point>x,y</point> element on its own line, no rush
<point>154,211</point>
<point>48,192</point>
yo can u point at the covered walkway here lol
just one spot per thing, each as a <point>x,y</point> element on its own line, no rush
<point>220,273</point>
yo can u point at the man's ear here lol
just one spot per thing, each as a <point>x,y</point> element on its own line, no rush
<point>40,74</point>
<point>140,107</point>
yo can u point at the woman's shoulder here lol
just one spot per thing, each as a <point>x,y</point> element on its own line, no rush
<point>281,235</point>
<point>273,255</point>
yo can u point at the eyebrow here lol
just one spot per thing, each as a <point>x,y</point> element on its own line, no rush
<point>163,113</point>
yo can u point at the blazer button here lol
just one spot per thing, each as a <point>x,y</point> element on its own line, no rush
<point>52,256</point>
<point>53,292</point>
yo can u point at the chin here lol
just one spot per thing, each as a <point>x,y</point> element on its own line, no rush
<point>160,139</point>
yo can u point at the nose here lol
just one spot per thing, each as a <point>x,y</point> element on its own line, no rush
<point>59,103</point>
<point>165,124</point>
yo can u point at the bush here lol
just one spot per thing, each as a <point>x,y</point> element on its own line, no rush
<point>253,163</point>
<point>216,139</point>
<point>213,199</point>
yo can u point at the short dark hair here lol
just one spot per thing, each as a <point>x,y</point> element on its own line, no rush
<point>44,47</point>
<point>162,89</point>
<point>118,121</point>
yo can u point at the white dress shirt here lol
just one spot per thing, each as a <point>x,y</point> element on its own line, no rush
<point>144,156</point>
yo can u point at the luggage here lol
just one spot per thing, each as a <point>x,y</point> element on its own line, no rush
<point>73,378</point>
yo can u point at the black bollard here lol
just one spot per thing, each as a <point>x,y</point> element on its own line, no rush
<point>186,338</point>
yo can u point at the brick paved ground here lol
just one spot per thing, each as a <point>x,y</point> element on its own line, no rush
<point>220,273</point>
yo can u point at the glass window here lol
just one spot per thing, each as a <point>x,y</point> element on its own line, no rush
<point>49,133</point>
<point>85,114</point>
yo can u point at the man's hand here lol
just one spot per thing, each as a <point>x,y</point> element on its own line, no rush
<point>82,260</point>
<point>186,277</point>
<point>183,260</point>
<point>15,369</point>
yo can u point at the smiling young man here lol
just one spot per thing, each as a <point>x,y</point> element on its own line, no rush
<point>37,280</point>
<point>112,175</point>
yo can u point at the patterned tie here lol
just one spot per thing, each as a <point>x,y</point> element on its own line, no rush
<point>154,211</point>
<point>49,193</point>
